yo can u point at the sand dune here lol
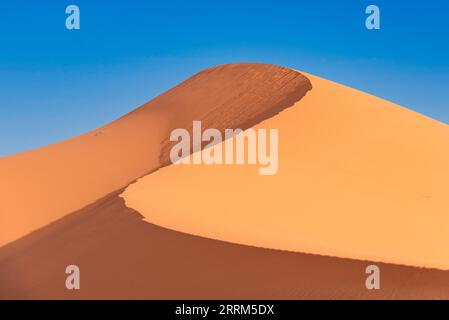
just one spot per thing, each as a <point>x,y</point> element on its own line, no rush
<point>359,177</point>
<point>42,185</point>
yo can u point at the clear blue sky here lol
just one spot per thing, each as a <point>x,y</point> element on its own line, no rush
<point>56,83</point>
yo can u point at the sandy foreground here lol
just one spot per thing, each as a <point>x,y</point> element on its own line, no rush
<point>358,178</point>
<point>121,256</point>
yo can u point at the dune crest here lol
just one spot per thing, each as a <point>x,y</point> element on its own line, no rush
<point>359,177</point>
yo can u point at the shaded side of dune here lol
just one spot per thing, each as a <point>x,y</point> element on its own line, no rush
<point>237,96</point>
<point>122,256</point>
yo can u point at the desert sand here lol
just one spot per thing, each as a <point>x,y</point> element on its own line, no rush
<point>121,256</point>
<point>43,185</point>
<point>65,203</point>
<point>359,177</point>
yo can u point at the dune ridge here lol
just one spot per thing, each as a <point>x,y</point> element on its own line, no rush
<point>250,98</point>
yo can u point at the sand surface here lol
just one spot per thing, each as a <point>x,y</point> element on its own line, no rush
<point>42,185</point>
<point>121,256</point>
<point>359,177</point>
<point>344,150</point>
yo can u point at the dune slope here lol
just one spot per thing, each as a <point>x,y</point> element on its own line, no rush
<point>42,185</point>
<point>359,177</point>
<point>122,256</point>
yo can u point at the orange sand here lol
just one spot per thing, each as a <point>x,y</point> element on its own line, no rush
<point>359,177</point>
<point>43,185</point>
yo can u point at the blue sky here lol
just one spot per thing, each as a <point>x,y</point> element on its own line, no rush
<point>57,83</point>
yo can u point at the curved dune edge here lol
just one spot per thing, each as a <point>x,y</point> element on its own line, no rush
<point>359,177</point>
<point>43,185</point>
<point>123,257</point>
